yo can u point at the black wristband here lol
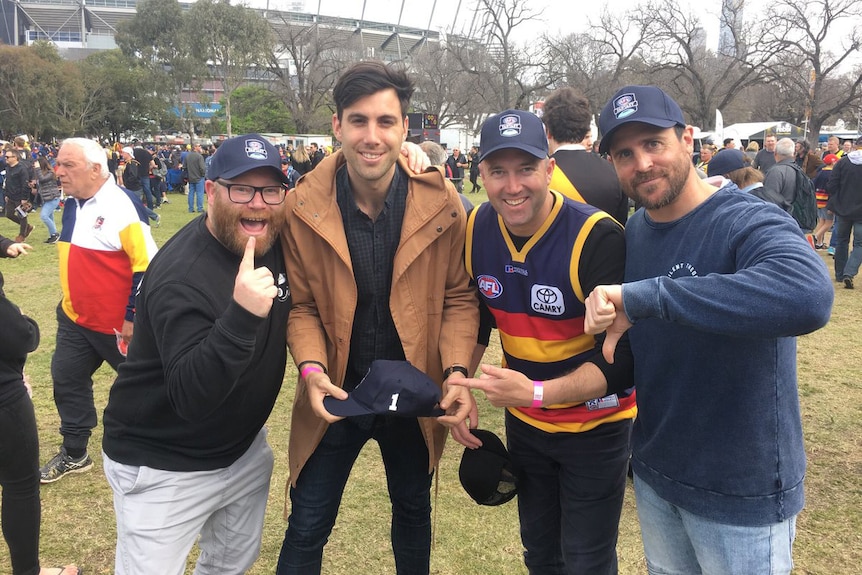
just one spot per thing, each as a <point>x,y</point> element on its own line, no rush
<point>450,370</point>
<point>311,362</point>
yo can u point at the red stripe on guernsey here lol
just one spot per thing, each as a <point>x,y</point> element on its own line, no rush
<point>98,288</point>
<point>523,325</point>
<point>576,418</point>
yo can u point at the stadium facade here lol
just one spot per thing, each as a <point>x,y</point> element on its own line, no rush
<point>80,27</point>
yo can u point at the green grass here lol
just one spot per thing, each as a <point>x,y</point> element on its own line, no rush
<point>77,512</point>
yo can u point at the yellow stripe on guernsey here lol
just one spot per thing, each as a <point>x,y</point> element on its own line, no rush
<point>561,183</point>
<point>103,243</point>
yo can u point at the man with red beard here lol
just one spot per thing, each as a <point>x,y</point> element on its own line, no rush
<point>185,448</point>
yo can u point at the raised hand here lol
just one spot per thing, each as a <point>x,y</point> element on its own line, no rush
<point>254,288</point>
<point>605,312</point>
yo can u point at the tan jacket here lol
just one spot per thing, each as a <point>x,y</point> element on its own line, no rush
<point>434,308</point>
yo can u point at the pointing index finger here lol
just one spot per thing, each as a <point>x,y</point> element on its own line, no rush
<point>247,262</point>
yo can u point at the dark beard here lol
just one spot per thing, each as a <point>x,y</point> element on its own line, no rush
<point>677,175</point>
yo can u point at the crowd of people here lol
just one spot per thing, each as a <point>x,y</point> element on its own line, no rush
<point>636,355</point>
<point>779,172</point>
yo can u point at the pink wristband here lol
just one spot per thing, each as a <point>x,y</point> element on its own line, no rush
<point>310,369</point>
<point>538,393</point>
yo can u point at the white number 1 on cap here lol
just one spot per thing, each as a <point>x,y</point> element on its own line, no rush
<point>394,405</point>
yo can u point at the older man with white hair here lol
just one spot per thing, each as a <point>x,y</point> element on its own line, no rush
<point>105,246</point>
<point>781,178</point>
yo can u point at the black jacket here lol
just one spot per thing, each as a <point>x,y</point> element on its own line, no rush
<point>202,373</point>
<point>845,187</point>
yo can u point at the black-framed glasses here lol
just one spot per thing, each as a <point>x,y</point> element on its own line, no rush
<point>244,194</point>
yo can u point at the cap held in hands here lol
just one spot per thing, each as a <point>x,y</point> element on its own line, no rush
<point>486,473</point>
<point>390,387</point>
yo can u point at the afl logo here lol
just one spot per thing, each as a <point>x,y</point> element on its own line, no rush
<point>625,105</point>
<point>489,286</point>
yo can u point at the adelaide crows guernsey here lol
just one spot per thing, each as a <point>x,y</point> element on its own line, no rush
<point>537,300</point>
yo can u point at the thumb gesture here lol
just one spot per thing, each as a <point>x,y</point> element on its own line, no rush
<point>254,288</point>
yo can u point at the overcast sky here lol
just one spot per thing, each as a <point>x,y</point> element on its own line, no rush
<point>559,16</point>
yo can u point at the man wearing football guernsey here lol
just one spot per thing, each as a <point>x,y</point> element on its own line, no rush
<point>104,248</point>
<point>534,256</point>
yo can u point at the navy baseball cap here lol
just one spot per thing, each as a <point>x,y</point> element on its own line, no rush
<point>238,155</point>
<point>486,473</point>
<point>517,129</point>
<point>390,387</point>
<point>646,104</point>
<point>725,161</point>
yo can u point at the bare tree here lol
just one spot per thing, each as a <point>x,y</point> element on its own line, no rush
<point>447,84</point>
<point>512,65</point>
<point>599,62</point>
<point>305,65</point>
<point>802,29</point>
<point>235,39</point>
<point>701,80</point>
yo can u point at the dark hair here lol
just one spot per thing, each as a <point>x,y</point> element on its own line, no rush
<point>727,141</point>
<point>567,115</point>
<point>366,78</point>
<point>44,165</point>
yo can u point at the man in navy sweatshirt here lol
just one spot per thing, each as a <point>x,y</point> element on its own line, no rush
<point>717,286</point>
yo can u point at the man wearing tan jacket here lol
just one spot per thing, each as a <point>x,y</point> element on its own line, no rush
<point>374,254</point>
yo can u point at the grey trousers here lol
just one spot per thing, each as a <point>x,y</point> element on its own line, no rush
<point>161,513</point>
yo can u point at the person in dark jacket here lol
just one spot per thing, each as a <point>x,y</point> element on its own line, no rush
<point>46,181</point>
<point>18,191</point>
<point>807,160</point>
<point>845,201</point>
<point>579,174</point>
<point>19,440</point>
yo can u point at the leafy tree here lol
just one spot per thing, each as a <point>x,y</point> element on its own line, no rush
<point>159,38</point>
<point>234,39</point>
<point>29,88</point>
<point>120,97</point>
<point>257,109</point>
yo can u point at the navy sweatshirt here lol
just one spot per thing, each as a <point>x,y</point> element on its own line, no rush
<point>717,298</point>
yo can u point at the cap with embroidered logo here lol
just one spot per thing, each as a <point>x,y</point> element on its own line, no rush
<point>645,104</point>
<point>240,154</point>
<point>516,129</point>
<point>391,387</point>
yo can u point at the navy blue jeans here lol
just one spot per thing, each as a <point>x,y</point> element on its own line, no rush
<point>570,495</point>
<point>317,495</point>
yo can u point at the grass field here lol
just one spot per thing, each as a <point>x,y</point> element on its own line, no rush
<point>77,512</point>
